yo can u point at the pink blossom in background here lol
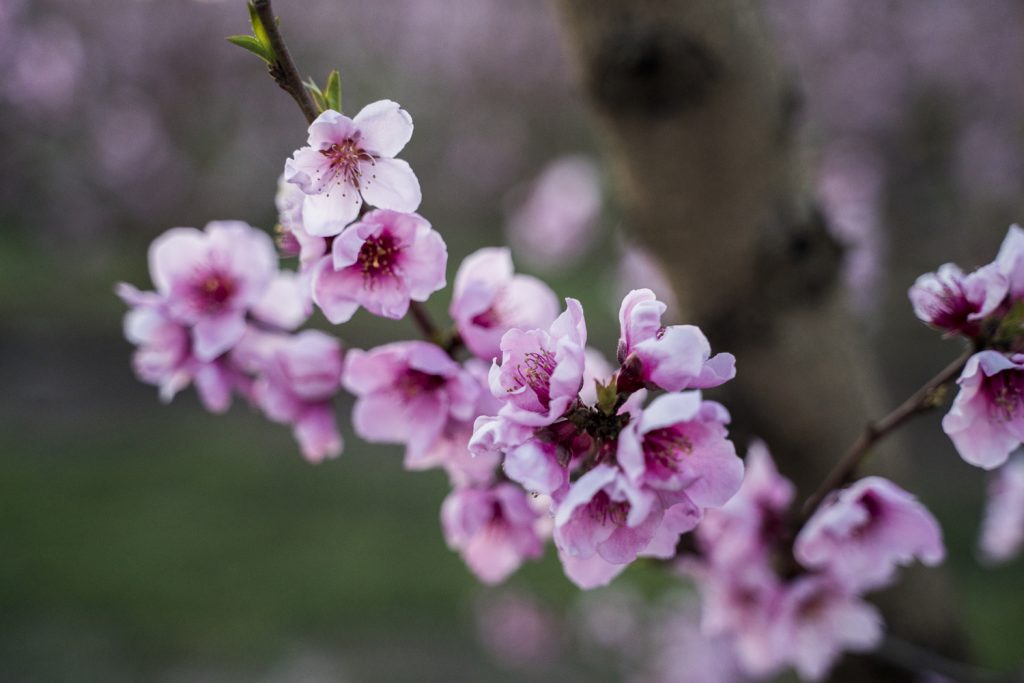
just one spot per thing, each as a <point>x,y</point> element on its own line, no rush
<point>680,443</point>
<point>1002,533</point>
<point>406,392</point>
<point>951,301</point>
<point>494,529</point>
<point>541,371</point>
<point>381,263</point>
<point>611,619</point>
<point>489,299</point>
<point>211,278</point>
<point>48,62</point>
<point>299,375</point>
<point>986,420</point>
<point>673,358</point>
<point>164,357</point>
<point>637,270</point>
<point>862,533</point>
<point>817,620</point>
<point>517,630</point>
<point>348,161</point>
<point>556,223</point>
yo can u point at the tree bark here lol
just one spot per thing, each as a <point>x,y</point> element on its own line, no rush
<point>700,124</point>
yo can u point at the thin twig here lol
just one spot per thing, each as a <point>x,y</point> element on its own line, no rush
<point>921,661</point>
<point>283,69</point>
<point>923,400</point>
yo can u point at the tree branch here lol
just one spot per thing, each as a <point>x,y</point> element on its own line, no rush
<point>924,399</point>
<point>283,69</point>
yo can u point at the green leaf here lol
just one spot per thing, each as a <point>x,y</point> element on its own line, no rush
<point>318,95</point>
<point>254,46</point>
<point>259,30</point>
<point>332,94</point>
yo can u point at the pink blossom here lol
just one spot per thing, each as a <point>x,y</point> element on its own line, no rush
<point>494,529</point>
<point>541,370</point>
<point>517,631</point>
<point>865,531</point>
<point>555,225</point>
<point>673,358</point>
<point>1010,262</point>
<point>679,443</point>
<point>294,239</point>
<point>406,393</point>
<point>637,268</point>
<point>489,299</point>
<point>589,572</point>
<point>817,620</point>
<point>951,301</point>
<point>210,279</point>
<point>300,375</point>
<point>1002,534</point>
<point>751,522</point>
<point>604,513</point>
<point>986,420</point>
<point>348,161</point>
<point>285,303</point>
<point>380,263</point>
<point>164,355</point>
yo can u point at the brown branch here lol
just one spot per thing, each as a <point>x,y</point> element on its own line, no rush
<point>283,69</point>
<point>924,399</point>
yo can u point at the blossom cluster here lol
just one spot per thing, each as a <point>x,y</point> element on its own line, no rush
<point>778,612</point>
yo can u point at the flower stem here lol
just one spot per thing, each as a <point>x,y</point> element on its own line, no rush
<point>924,399</point>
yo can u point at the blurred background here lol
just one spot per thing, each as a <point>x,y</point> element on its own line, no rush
<point>164,543</point>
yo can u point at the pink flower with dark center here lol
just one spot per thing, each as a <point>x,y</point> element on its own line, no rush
<point>489,299</point>
<point>1002,534</point>
<point>680,443</point>
<point>956,303</point>
<point>210,279</point>
<point>406,393</point>
<point>299,375</point>
<point>494,529</point>
<point>986,420</point>
<point>348,161</point>
<point>864,532</point>
<point>380,263</point>
<point>541,370</point>
<point>817,620</point>
<point>164,357</point>
<point>673,358</point>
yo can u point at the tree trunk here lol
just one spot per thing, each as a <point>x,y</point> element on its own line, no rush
<point>700,126</point>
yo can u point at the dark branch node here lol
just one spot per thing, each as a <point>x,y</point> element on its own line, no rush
<point>651,71</point>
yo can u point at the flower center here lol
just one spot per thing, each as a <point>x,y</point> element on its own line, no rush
<point>1006,393</point>
<point>534,371</point>
<point>377,256</point>
<point>950,308</point>
<point>665,447</point>
<point>414,382</point>
<point>603,510</point>
<point>213,292</point>
<point>346,160</point>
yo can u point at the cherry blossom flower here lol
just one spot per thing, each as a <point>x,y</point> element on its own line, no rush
<point>489,299</point>
<point>986,420</point>
<point>406,393</point>
<point>953,302</point>
<point>680,442</point>
<point>381,263</point>
<point>348,161</point>
<point>494,529</point>
<point>555,224</point>
<point>589,572</point>
<point>817,620</point>
<point>541,371</point>
<point>294,240</point>
<point>673,358</point>
<point>164,355</point>
<point>1002,534</point>
<point>865,531</point>
<point>299,376</point>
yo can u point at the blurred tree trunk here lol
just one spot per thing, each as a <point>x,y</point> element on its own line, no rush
<point>701,128</point>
